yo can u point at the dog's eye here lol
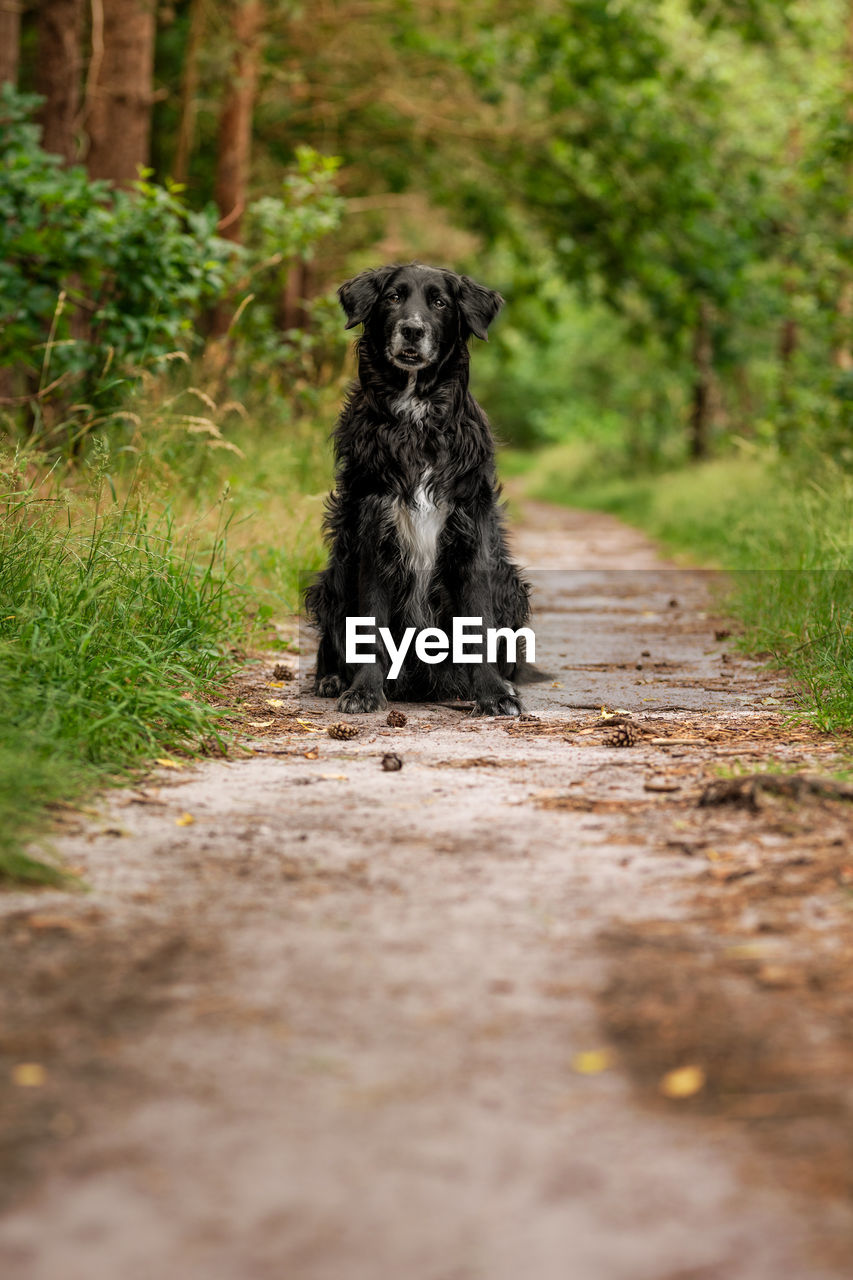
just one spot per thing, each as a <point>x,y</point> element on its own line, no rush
<point>393,297</point>
<point>439,303</point>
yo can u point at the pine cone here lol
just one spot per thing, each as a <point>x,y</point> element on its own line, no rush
<point>396,719</point>
<point>282,672</point>
<point>625,735</point>
<point>391,763</point>
<point>342,731</point>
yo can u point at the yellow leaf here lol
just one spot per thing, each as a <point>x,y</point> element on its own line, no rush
<point>170,764</point>
<point>276,684</point>
<point>29,1075</point>
<point>185,820</point>
<point>260,724</point>
<point>310,726</point>
<point>683,1082</point>
<point>591,1062</point>
<point>275,702</point>
<point>312,754</point>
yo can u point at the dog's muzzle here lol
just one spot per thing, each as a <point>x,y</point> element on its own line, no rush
<point>412,345</point>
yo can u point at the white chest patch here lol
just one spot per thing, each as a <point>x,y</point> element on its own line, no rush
<point>419,525</point>
<point>409,406</point>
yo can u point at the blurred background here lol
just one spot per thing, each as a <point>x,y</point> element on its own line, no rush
<point>661,189</point>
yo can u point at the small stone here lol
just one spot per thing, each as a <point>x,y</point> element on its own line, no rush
<point>396,719</point>
<point>391,763</point>
<point>342,731</point>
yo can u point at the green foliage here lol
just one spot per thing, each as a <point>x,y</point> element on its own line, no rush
<point>280,233</point>
<point>559,367</point>
<point>94,282</point>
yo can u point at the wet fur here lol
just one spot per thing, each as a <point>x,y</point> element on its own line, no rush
<point>415,475</point>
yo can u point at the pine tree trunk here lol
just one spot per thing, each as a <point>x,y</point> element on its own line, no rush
<point>703,377</point>
<point>119,94</point>
<point>10,40</point>
<point>235,122</point>
<point>189,93</point>
<point>843,355</point>
<point>10,44</point>
<point>58,73</point>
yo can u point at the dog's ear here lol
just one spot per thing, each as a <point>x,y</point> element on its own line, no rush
<point>478,306</point>
<point>358,296</point>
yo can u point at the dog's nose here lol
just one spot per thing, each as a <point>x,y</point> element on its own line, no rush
<point>411,330</point>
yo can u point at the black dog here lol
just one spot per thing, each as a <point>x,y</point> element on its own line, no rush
<point>414,528</point>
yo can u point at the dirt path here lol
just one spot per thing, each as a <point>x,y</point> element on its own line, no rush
<point>320,1021</point>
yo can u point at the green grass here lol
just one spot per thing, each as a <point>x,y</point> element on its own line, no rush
<point>784,533</point>
<point>123,584</point>
<point>111,630</point>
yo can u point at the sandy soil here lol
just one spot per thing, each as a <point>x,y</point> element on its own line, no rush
<point>322,1021</point>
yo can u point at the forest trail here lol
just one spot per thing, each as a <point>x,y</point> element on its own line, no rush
<point>321,1021</point>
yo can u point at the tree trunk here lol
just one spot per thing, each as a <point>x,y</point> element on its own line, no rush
<point>235,122</point>
<point>57,73</point>
<point>703,372</point>
<point>10,44</point>
<point>843,354</point>
<point>119,95</point>
<point>10,40</point>
<point>292,312</point>
<point>189,93</point>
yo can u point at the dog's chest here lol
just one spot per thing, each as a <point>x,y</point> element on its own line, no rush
<point>409,409</point>
<point>420,517</point>
<point>419,523</point>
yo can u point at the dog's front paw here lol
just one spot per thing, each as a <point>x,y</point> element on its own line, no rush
<point>359,702</point>
<point>328,686</point>
<point>504,704</point>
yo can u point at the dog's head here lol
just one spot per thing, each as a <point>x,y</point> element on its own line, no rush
<point>414,315</point>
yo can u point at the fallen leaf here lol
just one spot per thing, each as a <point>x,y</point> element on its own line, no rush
<point>276,684</point>
<point>591,1062</point>
<point>29,1075</point>
<point>313,754</point>
<point>260,724</point>
<point>335,777</point>
<point>275,702</point>
<point>185,820</point>
<point>170,764</point>
<point>683,1082</point>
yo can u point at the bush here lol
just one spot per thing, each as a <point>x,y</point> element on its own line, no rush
<point>94,282</point>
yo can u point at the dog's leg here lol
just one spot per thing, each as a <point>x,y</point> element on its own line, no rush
<point>366,692</point>
<point>327,682</point>
<point>472,596</point>
<point>323,608</point>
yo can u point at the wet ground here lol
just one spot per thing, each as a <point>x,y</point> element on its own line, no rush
<point>525,1007</point>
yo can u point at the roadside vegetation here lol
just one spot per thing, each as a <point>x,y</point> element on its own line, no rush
<point>661,190</point>
<point>783,538</point>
